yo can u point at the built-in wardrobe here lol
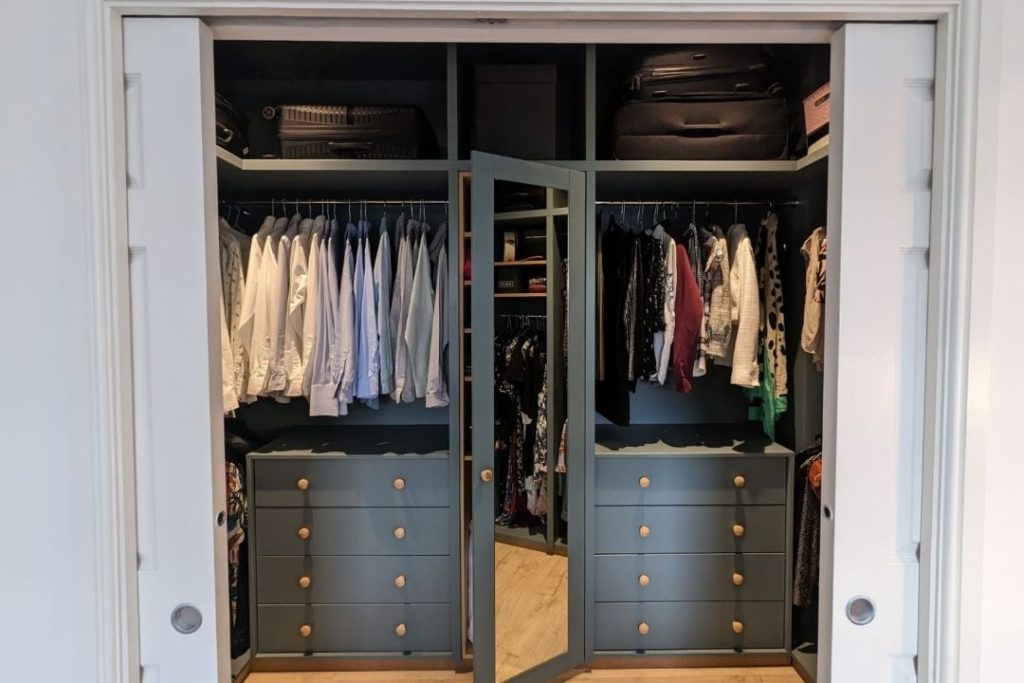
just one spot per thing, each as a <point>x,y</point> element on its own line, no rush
<point>669,516</point>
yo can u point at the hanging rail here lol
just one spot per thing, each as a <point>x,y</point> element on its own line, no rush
<point>700,202</point>
<point>336,202</point>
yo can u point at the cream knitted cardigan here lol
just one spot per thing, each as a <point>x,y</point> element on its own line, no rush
<point>746,309</point>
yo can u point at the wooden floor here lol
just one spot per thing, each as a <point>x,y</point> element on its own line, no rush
<point>531,608</point>
<point>531,604</point>
<point>741,675</point>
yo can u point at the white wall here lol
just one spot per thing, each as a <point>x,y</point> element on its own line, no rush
<point>45,560</point>
<point>994,559</point>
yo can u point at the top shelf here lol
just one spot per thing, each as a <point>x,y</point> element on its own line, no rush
<point>428,178</point>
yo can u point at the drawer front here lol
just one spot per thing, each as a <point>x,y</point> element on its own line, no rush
<point>364,482</point>
<point>333,580</point>
<point>698,529</point>
<point>675,578</point>
<point>690,481</point>
<point>351,531</point>
<point>689,626</point>
<point>353,628</point>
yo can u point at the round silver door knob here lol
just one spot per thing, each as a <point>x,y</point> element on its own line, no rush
<point>186,619</point>
<point>860,610</point>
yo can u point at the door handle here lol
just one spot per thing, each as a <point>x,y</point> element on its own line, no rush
<point>860,610</point>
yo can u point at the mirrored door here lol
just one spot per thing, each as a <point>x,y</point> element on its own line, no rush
<point>527,528</point>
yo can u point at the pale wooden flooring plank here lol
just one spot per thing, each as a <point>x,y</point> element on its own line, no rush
<point>732,675</point>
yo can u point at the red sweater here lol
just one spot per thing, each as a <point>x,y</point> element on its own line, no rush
<point>689,313</point>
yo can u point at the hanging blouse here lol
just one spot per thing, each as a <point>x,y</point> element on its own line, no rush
<point>403,391</point>
<point>662,342</point>
<point>344,349</point>
<point>296,309</point>
<point>367,345</point>
<point>311,316</point>
<point>812,336</point>
<point>745,309</point>
<point>437,379</point>
<point>717,298</point>
<point>326,370</point>
<point>689,313</point>
<point>382,294</point>
<point>417,325</point>
<point>277,375</point>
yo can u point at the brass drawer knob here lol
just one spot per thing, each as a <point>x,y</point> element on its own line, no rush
<point>302,484</point>
<point>644,580</point>
<point>305,630</point>
<point>400,532</point>
<point>305,582</point>
<point>399,483</point>
<point>486,475</point>
<point>739,481</point>
<point>737,627</point>
<point>401,630</point>
<point>645,531</point>
<point>645,482</point>
<point>643,628</point>
<point>400,581</point>
<point>738,530</point>
<point>737,579</point>
<point>303,532</point>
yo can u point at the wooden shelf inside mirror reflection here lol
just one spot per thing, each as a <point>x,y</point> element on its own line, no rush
<point>520,295</point>
<point>520,264</point>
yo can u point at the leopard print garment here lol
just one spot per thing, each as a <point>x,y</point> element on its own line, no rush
<point>771,295</point>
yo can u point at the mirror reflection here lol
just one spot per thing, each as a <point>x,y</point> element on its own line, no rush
<point>530,346</point>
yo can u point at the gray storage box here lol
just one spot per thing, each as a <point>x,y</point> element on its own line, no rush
<point>515,110</point>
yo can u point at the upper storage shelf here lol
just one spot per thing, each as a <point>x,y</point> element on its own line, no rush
<point>258,76</point>
<point>335,178</point>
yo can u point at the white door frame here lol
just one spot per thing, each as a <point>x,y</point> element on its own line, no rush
<point>109,466</point>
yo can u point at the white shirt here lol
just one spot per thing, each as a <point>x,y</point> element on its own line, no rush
<point>382,294</point>
<point>310,318</point>
<point>260,348</point>
<point>403,389</point>
<point>417,325</point>
<point>367,345</point>
<point>344,349</point>
<point>746,309</point>
<point>296,309</point>
<point>323,383</point>
<point>277,375</point>
<point>232,295</point>
<point>437,387</point>
<point>247,317</point>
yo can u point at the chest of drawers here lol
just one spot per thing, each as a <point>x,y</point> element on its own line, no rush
<point>351,545</point>
<point>691,546</point>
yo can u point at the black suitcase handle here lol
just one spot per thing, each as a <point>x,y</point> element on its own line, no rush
<point>702,130</point>
<point>224,134</point>
<point>338,147</point>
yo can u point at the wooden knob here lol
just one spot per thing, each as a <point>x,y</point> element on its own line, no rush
<point>303,532</point>
<point>737,627</point>
<point>400,581</point>
<point>644,580</point>
<point>645,482</point>
<point>739,481</point>
<point>486,475</point>
<point>305,630</point>
<point>645,531</point>
<point>302,484</point>
<point>399,483</point>
<point>737,579</point>
<point>400,532</point>
<point>738,530</point>
<point>305,582</point>
<point>401,630</point>
<point>643,628</point>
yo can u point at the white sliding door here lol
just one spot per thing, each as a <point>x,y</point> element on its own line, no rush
<point>876,323</point>
<point>172,214</point>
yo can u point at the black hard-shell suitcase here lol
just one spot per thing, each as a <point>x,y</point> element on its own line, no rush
<point>737,129</point>
<point>231,127</point>
<point>354,132</point>
<point>711,72</point>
